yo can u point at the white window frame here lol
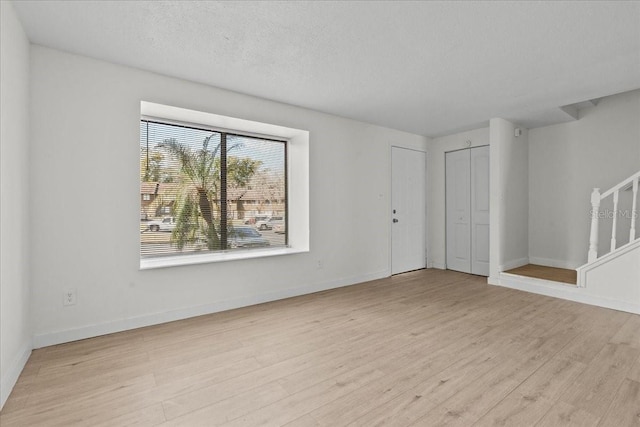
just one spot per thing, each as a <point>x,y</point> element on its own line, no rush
<point>297,182</point>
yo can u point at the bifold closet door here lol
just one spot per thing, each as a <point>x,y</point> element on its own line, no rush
<point>467,210</point>
<point>458,200</point>
<point>480,210</point>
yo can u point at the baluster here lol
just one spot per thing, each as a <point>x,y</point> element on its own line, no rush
<point>615,221</point>
<point>634,211</point>
<point>593,238</point>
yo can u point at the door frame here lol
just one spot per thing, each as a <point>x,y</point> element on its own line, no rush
<point>390,205</point>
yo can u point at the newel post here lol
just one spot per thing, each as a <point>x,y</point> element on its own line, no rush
<point>593,238</point>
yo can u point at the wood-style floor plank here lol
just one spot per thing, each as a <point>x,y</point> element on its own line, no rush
<point>595,389</point>
<point>625,407</point>
<point>547,273</point>
<point>430,347</point>
<point>634,372</point>
<point>533,398</point>
<point>563,414</point>
<point>628,333</point>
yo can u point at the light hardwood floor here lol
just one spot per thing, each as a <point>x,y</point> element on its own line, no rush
<point>425,348</point>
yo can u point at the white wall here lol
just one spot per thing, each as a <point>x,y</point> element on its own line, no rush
<point>566,161</point>
<point>509,197</point>
<point>15,328</point>
<point>85,202</point>
<point>436,187</point>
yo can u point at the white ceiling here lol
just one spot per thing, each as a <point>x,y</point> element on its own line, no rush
<point>424,67</point>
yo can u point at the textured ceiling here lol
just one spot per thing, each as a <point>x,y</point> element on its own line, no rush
<point>424,67</point>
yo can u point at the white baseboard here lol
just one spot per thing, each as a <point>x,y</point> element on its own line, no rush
<point>439,266</point>
<point>59,337</point>
<point>559,290</point>
<point>514,264</point>
<point>557,263</point>
<point>11,375</point>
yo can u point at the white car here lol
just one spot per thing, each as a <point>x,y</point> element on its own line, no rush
<point>165,224</point>
<point>279,227</point>
<point>254,220</point>
<point>267,224</point>
<point>261,223</point>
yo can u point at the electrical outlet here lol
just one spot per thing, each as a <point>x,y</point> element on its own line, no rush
<point>320,265</point>
<point>70,297</point>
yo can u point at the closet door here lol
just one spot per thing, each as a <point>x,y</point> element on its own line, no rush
<point>480,210</point>
<point>467,210</point>
<point>458,212</point>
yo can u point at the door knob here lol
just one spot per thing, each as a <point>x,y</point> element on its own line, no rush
<point>395,220</point>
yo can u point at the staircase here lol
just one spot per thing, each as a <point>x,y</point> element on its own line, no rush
<point>614,274</point>
<point>611,276</point>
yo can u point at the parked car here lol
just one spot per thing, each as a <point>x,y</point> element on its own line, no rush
<point>165,224</point>
<point>261,224</point>
<point>269,223</point>
<point>245,237</point>
<point>279,227</point>
<point>252,221</point>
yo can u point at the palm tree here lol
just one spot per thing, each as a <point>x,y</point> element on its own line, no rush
<point>202,168</point>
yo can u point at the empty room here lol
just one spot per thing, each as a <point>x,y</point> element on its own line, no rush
<point>315,213</point>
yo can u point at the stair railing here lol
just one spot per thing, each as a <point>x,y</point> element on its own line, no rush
<point>596,199</point>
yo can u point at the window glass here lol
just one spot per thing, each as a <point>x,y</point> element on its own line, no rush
<point>215,191</point>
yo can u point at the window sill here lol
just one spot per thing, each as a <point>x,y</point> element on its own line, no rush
<point>206,258</point>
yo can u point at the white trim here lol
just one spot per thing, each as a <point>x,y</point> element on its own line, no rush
<point>11,375</point>
<point>560,290</point>
<point>557,263</point>
<point>624,185</point>
<point>216,121</point>
<point>536,281</point>
<point>466,148</point>
<point>439,265</point>
<point>297,180</point>
<point>195,258</point>
<point>584,269</point>
<point>59,337</point>
<point>514,264</point>
<point>390,207</point>
<point>427,242</point>
<point>203,126</point>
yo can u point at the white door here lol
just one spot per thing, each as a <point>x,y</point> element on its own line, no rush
<point>458,208</point>
<point>467,210</point>
<point>408,204</point>
<point>480,210</point>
